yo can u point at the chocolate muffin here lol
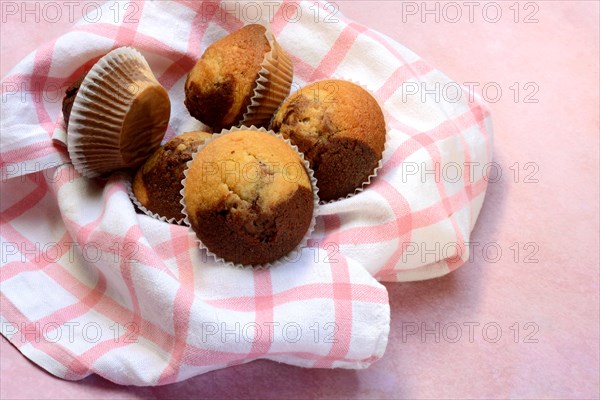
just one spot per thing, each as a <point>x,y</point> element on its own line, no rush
<point>221,87</point>
<point>249,197</point>
<point>340,129</point>
<point>157,184</point>
<point>69,98</point>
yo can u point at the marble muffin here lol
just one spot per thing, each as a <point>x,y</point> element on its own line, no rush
<point>157,183</point>
<point>249,197</point>
<point>221,86</point>
<point>69,98</point>
<point>341,130</point>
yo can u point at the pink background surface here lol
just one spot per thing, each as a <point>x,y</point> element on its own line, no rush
<point>559,215</point>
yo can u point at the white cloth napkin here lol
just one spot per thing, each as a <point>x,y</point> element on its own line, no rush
<point>89,286</point>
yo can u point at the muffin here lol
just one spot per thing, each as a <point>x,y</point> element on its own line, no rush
<point>240,79</point>
<point>119,115</point>
<point>157,184</point>
<point>340,129</point>
<point>69,98</point>
<point>248,197</point>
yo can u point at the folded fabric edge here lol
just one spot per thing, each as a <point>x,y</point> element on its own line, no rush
<point>49,364</point>
<point>380,345</point>
<point>11,332</point>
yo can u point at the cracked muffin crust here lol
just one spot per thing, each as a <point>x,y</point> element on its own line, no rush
<point>219,88</point>
<point>340,128</point>
<point>248,197</point>
<point>157,184</point>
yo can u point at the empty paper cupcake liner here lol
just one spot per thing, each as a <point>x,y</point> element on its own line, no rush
<point>292,255</point>
<point>100,110</point>
<point>272,86</point>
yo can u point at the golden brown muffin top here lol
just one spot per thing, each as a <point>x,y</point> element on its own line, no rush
<point>340,129</point>
<point>331,108</point>
<point>227,72</point>
<point>242,170</point>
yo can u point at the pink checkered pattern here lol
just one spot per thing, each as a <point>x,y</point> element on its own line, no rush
<point>89,286</point>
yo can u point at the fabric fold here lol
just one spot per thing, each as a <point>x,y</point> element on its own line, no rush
<point>89,286</point>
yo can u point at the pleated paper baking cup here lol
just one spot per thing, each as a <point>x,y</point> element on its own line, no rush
<point>272,85</point>
<point>155,186</point>
<point>119,116</point>
<point>361,187</point>
<point>292,255</point>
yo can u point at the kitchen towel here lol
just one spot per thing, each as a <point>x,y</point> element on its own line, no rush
<point>89,286</point>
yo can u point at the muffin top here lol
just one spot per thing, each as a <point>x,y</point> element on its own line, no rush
<point>157,184</point>
<point>221,84</point>
<point>248,197</point>
<point>340,128</point>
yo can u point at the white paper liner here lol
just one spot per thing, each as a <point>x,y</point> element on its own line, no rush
<point>272,85</point>
<point>375,172</point>
<point>134,200</point>
<point>107,87</point>
<point>311,226</point>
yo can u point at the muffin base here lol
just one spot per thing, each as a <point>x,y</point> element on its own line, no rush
<point>119,116</point>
